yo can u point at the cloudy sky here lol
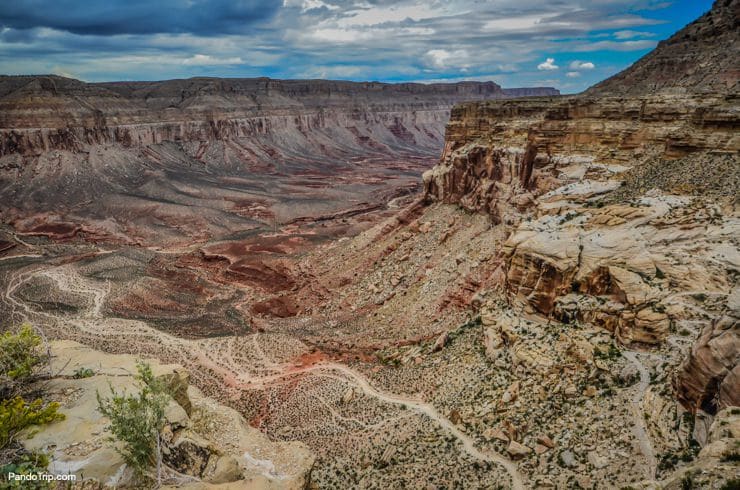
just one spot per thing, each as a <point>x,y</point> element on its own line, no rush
<point>568,44</point>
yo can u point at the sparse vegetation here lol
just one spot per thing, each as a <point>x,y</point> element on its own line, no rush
<point>21,361</point>
<point>21,357</point>
<point>732,457</point>
<point>83,372</point>
<point>17,415</point>
<point>136,420</point>
<point>610,353</point>
<point>733,484</point>
<point>24,463</point>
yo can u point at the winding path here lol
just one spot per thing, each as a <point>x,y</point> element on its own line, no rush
<point>640,428</point>
<point>68,280</point>
<point>427,409</point>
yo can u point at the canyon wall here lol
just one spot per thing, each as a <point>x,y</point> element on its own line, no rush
<point>41,113</point>
<point>589,188</point>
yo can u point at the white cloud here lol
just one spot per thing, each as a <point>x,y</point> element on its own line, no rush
<point>441,58</point>
<point>332,72</point>
<point>581,65</point>
<point>363,40</point>
<point>513,24</point>
<point>353,35</point>
<point>628,34</point>
<point>208,60</point>
<point>378,15</point>
<point>548,64</point>
<point>573,74</point>
<point>306,5</point>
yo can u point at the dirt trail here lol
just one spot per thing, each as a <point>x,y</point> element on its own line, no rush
<point>639,428</point>
<point>20,256</point>
<point>427,409</point>
<point>236,375</point>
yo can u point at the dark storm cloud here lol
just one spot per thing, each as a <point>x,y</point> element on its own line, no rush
<point>111,17</point>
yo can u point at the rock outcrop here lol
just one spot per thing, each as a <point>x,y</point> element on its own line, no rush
<point>497,154</point>
<point>709,378</point>
<point>207,443</point>
<point>716,465</point>
<point>569,176</point>
<point>609,199</point>
<point>680,99</point>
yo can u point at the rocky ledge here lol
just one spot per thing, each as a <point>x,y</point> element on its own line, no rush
<point>207,444</point>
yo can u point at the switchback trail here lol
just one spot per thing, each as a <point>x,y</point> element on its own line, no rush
<point>241,376</point>
<point>427,409</point>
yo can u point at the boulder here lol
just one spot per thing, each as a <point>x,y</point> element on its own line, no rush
<point>517,450</point>
<point>227,469</point>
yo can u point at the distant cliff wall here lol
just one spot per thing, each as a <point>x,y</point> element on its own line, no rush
<point>38,114</point>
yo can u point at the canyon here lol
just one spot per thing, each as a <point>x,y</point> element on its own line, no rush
<point>169,163</point>
<point>551,303</point>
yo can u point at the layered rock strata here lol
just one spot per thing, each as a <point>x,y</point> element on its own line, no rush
<point>709,378</point>
<point>42,113</point>
<point>169,163</point>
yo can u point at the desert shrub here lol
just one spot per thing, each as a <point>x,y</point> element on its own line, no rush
<point>16,415</point>
<point>25,463</point>
<point>733,484</point>
<point>21,357</point>
<point>83,372</point>
<point>136,420</point>
<point>611,353</point>
<point>732,457</point>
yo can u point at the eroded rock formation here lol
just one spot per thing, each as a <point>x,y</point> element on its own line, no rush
<point>162,163</point>
<point>710,377</point>
<point>589,187</point>
<point>42,113</point>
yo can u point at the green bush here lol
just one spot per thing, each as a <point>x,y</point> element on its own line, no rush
<point>20,358</point>
<point>136,420</point>
<point>733,484</point>
<point>16,415</point>
<point>83,372</point>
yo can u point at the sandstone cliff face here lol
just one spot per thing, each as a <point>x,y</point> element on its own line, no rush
<point>715,466</point>
<point>709,378</point>
<point>589,189</point>
<point>540,166</point>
